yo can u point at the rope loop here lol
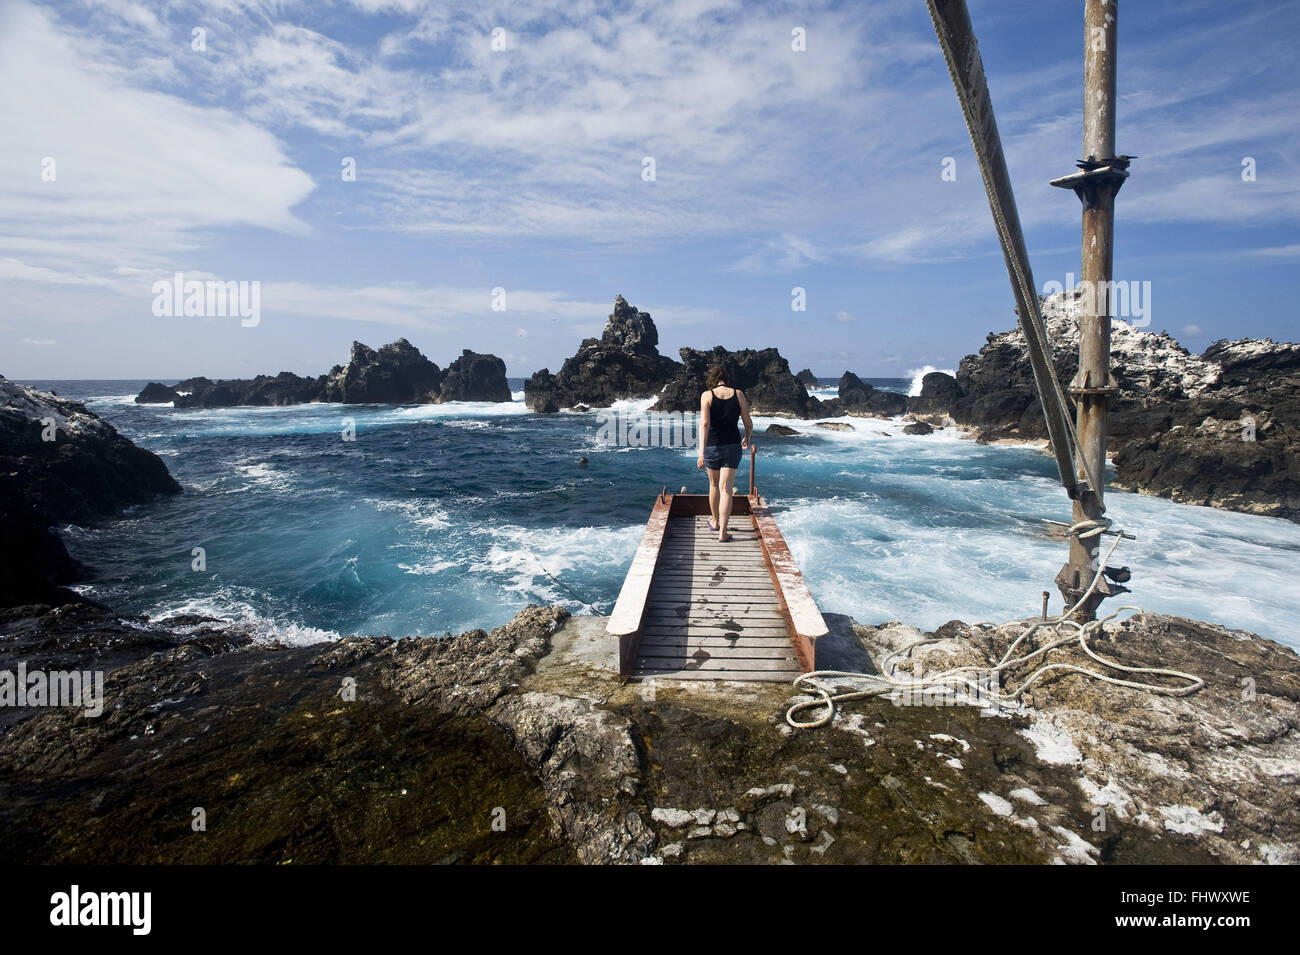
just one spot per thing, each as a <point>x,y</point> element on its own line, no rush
<point>982,686</point>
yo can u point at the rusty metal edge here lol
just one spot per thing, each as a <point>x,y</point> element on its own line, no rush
<point>777,553</point>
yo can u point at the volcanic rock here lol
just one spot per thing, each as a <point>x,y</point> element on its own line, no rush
<point>1178,421</point>
<point>395,374</point>
<point>371,750</point>
<point>623,363</point>
<point>60,464</point>
<point>763,375</point>
<point>856,397</point>
<point>156,394</point>
<point>475,377</point>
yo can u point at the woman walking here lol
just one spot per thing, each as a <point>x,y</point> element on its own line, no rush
<point>720,443</point>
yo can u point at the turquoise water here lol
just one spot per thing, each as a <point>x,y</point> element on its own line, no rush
<point>439,518</point>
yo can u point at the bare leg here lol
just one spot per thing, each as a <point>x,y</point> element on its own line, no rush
<point>713,495</point>
<point>726,479</point>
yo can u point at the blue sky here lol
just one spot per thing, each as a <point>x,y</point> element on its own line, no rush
<point>522,169</point>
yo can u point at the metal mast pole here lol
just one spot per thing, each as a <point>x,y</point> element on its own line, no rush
<point>1101,173</point>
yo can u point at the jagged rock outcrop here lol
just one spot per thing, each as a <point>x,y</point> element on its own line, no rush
<point>156,393</point>
<point>856,397</point>
<point>623,363</point>
<point>475,377</point>
<point>807,378</point>
<point>1178,421</point>
<point>377,750</point>
<point>85,472</point>
<point>763,375</point>
<point>939,394</point>
<point>396,373</point>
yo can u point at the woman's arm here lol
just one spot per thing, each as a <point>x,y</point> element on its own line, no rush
<point>747,440</point>
<point>703,438</point>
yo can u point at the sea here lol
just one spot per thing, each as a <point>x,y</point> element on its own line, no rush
<point>318,521</point>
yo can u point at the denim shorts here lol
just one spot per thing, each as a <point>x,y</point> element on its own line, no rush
<point>722,456</point>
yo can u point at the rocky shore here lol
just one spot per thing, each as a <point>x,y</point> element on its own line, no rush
<point>520,745</point>
<point>60,464</point>
<point>396,373</point>
<point>1217,429</point>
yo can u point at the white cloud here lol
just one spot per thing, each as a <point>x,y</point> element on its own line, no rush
<point>138,173</point>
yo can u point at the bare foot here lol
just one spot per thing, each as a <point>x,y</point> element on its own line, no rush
<point>723,538</point>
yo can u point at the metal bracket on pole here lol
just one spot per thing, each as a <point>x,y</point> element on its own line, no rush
<point>1094,173</point>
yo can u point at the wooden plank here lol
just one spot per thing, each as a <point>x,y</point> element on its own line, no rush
<point>723,610</point>
<point>738,585</point>
<point>650,654</point>
<point>705,555</point>
<point>740,575</point>
<point>769,628</point>
<point>775,676</point>
<point>753,628</point>
<point>703,636</point>
<point>725,627</point>
<point>730,569</point>
<point>662,605</point>
<point>708,663</point>
<point>702,569</point>
<point>715,599</point>
<point>690,580</point>
<point>781,641</point>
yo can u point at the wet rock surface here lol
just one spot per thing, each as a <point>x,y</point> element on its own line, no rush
<point>1217,429</point>
<point>372,749</point>
<point>60,464</point>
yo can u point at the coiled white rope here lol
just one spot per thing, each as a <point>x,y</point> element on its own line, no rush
<point>977,680</point>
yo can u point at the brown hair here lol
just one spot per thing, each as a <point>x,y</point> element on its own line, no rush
<point>716,376</point>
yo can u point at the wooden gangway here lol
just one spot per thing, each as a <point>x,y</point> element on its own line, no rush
<point>695,608</point>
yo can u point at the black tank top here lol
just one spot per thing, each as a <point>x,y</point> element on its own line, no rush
<point>723,415</point>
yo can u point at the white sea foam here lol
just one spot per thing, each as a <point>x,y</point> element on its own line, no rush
<point>550,564</point>
<point>226,605</point>
<point>266,476</point>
